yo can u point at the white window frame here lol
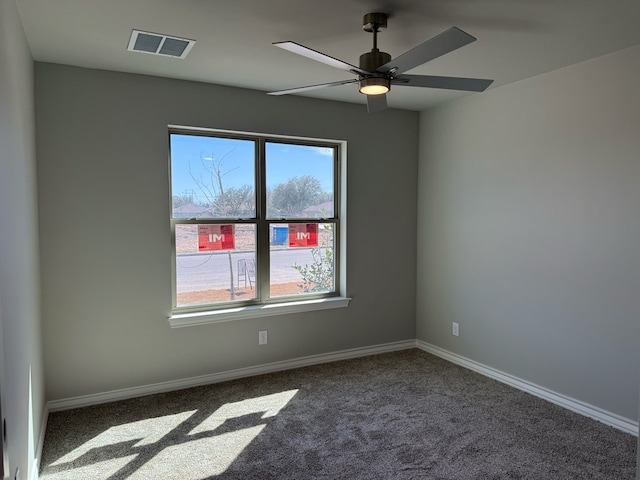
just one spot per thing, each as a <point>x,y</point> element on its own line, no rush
<point>199,315</point>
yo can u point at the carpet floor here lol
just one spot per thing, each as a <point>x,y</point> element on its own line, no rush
<point>402,415</point>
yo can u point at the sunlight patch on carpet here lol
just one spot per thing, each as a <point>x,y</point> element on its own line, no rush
<point>146,432</point>
<point>198,459</point>
<point>269,404</point>
<point>161,448</point>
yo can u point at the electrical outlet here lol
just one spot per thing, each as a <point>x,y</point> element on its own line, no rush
<point>262,337</point>
<point>456,329</point>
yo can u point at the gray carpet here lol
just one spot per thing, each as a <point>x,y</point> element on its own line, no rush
<point>404,415</point>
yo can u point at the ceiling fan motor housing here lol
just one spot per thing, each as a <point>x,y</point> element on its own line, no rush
<point>370,61</point>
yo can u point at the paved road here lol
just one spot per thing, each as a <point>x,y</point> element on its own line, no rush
<point>197,272</point>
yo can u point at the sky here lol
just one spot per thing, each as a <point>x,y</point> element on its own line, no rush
<point>193,155</point>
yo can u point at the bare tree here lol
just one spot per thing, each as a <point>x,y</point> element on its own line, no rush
<point>224,203</point>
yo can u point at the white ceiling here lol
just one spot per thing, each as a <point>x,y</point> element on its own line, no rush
<point>517,39</point>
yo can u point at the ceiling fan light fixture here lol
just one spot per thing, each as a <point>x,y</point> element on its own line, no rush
<point>375,86</point>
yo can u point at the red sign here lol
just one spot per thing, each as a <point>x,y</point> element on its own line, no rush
<point>303,234</point>
<point>216,237</point>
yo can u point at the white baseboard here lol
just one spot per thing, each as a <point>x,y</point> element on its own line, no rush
<point>616,421</point>
<point>125,393</point>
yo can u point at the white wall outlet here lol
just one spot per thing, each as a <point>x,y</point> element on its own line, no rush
<point>262,337</point>
<point>455,329</point>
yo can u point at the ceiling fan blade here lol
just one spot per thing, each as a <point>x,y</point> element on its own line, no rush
<point>313,87</point>
<point>446,42</point>
<point>449,83</point>
<point>319,57</point>
<point>376,103</point>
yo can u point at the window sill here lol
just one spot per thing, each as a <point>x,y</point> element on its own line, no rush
<point>240,313</point>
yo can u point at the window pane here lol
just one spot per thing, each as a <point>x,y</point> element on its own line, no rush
<point>212,177</point>
<point>299,181</point>
<point>301,258</point>
<point>215,263</point>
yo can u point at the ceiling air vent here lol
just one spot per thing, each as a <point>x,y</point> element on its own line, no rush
<point>159,44</point>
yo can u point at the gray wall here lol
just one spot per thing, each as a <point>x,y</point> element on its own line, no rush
<point>529,230</point>
<point>21,378</point>
<point>105,242</point>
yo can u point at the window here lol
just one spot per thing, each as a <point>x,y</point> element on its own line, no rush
<point>255,220</point>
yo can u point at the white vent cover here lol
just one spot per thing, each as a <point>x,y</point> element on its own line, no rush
<point>159,44</point>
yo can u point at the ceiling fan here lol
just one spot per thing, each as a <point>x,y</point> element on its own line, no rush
<point>377,71</point>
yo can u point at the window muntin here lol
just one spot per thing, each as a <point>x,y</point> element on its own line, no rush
<point>280,251</point>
